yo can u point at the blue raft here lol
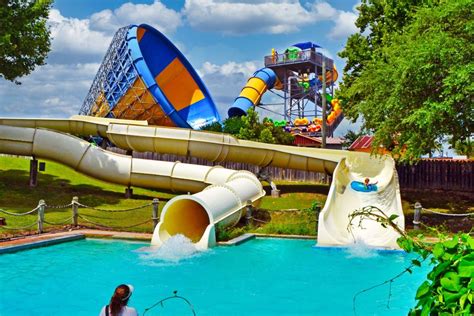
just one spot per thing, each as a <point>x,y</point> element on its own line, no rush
<point>360,187</point>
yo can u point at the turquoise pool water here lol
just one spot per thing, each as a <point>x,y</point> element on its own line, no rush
<point>260,277</point>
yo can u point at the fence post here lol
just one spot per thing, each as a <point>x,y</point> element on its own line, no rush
<point>156,203</point>
<point>248,213</point>
<point>33,181</point>
<point>41,207</point>
<point>317,210</point>
<point>75,213</point>
<point>417,215</point>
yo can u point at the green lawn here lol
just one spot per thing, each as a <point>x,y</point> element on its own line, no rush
<point>58,185</point>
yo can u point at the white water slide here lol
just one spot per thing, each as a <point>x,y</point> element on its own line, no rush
<point>221,195</point>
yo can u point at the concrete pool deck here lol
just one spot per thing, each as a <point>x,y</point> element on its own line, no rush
<point>46,239</point>
<point>57,237</point>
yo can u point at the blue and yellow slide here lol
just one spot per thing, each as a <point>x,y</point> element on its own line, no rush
<point>261,81</point>
<point>150,79</point>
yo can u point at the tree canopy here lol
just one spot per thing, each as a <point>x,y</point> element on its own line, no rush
<point>409,73</point>
<point>249,127</point>
<point>24,36</point>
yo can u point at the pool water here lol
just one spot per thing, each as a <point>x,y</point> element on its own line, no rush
<point>259,277</point>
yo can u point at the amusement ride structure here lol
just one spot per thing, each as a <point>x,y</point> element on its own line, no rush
<point>146,96</point>
<point>303,80</point>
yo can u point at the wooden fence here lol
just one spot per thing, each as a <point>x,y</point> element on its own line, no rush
<point>275,173</point>
<point>445,174</point>
<point>442,174</point>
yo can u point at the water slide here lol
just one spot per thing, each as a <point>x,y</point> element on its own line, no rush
<point>261,81</point>
<point>144,76</point>
<point>347,193</point>
<point>144,79</point>
<point>226,192</point>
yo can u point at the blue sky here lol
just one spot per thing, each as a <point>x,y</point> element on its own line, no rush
<point>225,40</point>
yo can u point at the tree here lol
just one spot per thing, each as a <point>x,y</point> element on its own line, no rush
<point>266,136</point>
<point>412,79</point>
<point>213,127</point>
<point>378,21</point>
<point>251,125</point>
<point>24,36</point>
<point>448,289</point>
<point>232,125</point>
<point>464,148</point>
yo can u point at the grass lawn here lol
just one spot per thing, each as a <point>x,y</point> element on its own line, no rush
<point>289,214</point>
<point>58,185</point>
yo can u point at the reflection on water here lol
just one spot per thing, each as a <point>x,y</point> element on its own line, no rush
<point>360,249</point>
<point>175,249</point>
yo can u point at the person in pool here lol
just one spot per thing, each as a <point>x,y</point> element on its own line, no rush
<point>118,303</point>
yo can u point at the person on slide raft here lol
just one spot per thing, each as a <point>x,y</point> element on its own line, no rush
<point>364,186</point>
<point>369,185</point>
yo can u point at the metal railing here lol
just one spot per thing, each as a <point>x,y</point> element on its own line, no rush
<point>75,205</point>
<point>297,57</point>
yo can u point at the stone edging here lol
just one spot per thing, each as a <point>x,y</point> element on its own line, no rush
<point>41,243</point>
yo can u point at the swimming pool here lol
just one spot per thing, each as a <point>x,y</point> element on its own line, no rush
<point>259,277</point>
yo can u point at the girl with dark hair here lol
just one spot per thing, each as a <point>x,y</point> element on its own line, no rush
<point>118,303</point>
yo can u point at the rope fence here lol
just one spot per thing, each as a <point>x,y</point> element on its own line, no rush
<point>42,208</point>
<point>419,209</point>
<point>19,214</point>
<point>106,226</point>
<point>445,214</point>
<point>114,211</point>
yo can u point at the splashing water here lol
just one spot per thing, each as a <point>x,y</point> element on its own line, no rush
<point>176,248</point>
<point>360,249</point>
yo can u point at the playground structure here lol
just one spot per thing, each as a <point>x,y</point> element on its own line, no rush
<point>146,79</point>
<point>303,79</point>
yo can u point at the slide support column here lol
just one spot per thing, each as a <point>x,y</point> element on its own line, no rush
<point>323,98</point>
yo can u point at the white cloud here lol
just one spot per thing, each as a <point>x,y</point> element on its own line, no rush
<point>268,17</point>
<point>155,14</point>
<point>323,11</point>
<point>243,18</point>
<point>344,25</point>
<point>50,91</point>
<point>225,81</point>
<point>71,35</point>
<point>230,68</point>
<point>79,40</point>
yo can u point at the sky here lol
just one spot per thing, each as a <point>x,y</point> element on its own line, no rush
<point>225,41</point>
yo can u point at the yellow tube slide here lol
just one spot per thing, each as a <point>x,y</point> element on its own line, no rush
<point>215,147</point>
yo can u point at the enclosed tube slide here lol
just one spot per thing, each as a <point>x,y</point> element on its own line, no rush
<point>256,86</point>
<point>226,192</point>
<point>215,147</point>
<point>261,81</point>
